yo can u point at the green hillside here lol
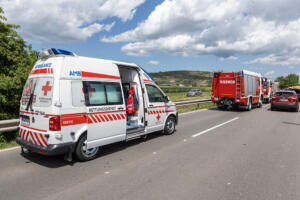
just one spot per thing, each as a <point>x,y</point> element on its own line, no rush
<point>183,78</point>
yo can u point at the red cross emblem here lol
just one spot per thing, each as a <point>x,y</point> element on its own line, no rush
<point>158,117</point>
<point>91,90</point>
<point>46,88</point>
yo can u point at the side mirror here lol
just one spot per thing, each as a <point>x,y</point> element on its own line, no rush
<point>166,99</point>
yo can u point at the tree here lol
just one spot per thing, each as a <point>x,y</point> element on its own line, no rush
<point>16,60</point>
<point>289,80</point>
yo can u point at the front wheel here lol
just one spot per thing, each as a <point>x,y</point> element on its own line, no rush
<point>249,105</point>
<point>170,126</point>
<point>84,154</point>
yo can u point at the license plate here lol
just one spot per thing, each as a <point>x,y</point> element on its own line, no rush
<point>25,120</point>
<point>283,99</point>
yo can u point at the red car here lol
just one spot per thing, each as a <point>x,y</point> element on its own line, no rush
<point>285,100</point>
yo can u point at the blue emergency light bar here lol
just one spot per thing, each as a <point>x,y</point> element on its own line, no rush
<point>45,53</point>
<point>62,52</point>
<point>148,74</point>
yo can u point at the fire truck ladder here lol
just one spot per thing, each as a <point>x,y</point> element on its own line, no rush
<point>238,86</point>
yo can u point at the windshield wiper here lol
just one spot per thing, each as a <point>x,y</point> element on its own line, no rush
<point>29,104</point>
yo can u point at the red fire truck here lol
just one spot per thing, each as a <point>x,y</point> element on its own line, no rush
<point>267,89</point>
<point>237,89</point>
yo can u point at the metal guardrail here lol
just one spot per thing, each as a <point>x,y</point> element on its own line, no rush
<point>12,124</point>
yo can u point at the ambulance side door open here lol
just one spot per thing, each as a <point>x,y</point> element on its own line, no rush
<point>157,105</point>
<point>106,114</point>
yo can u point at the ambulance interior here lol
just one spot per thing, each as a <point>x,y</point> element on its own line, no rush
<point>130,79</point>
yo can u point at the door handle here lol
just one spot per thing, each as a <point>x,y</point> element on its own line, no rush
<point>121,108</point>
<point>151,105</point>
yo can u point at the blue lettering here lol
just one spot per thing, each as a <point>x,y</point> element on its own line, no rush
<point>75,73</point>
<point>47,65</point>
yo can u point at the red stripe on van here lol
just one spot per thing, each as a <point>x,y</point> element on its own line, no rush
<point>147,80</point>
<point>106,118</point>
<point>43,139</point>
<point>97,75</point>
<point>103,120</point>
<point>110,117</point>
<point>20,132</point>
<point>99,120</point>
<point>118,116</point>
<point>115,118</point>
<point>89,120</point>
<point>35,129</point>
<point>51,70</point>
<point>24,134</point>
<point>68,121</point>
<point>40,71</point>
<point>31,136</point>
<point>94,119</point>
<point>37,138</point>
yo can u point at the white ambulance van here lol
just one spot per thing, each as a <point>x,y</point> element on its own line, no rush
<point>72,104</point>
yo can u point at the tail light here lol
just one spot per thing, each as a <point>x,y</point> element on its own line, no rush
<point>54,123</point>
<point>293,99</point>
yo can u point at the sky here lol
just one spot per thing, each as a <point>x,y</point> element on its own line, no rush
<point>163,35</point>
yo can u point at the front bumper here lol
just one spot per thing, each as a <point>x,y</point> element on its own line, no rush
<point>52,149</point>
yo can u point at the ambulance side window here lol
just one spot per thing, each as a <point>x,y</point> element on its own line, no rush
<point>77,94</point>
<point>154,94</point>
<point>102,93</point>
<point>113,92</point>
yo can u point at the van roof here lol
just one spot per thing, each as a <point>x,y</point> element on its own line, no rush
<point>53,52</point>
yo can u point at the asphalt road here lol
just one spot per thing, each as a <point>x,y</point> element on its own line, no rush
<point>213,155</point>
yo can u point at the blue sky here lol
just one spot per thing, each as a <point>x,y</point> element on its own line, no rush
<point>162,35</point>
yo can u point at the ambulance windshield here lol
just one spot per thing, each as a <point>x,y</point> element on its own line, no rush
<point>37,92</point>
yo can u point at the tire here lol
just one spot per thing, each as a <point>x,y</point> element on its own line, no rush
<point>259,104</point>
<point>272,108</point>
<point>249,107</point>
<point>85,155</point>
<point>296,109</point>
<point>170,126</point>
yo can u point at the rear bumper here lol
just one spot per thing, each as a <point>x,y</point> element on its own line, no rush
<point>284,106</point>
<point>52,149</point>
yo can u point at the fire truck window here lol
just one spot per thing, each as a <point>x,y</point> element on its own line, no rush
<point>113,91</point>
<point>154,94</point>
<point>77,94</point>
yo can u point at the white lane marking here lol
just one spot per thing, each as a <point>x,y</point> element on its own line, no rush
<point>212,128</point>
<point>9,149</point>
<point>200,110</point>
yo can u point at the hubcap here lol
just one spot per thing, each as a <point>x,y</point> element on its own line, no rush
<point>170,126</point>
<point>88,152</point>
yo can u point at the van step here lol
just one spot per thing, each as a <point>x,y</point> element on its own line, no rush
<point>136,135</point>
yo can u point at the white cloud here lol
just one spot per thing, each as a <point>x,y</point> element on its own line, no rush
<point>228,58</point>
<point>270,73</point>
<point>154,62</point>
<point>286,60</point>
<point>66,20</point>
<point>220,27</point>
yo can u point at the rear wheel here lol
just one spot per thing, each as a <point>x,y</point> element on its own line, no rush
<point>84,154</point>
<point>272,108</point>
<point>170,126</point>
